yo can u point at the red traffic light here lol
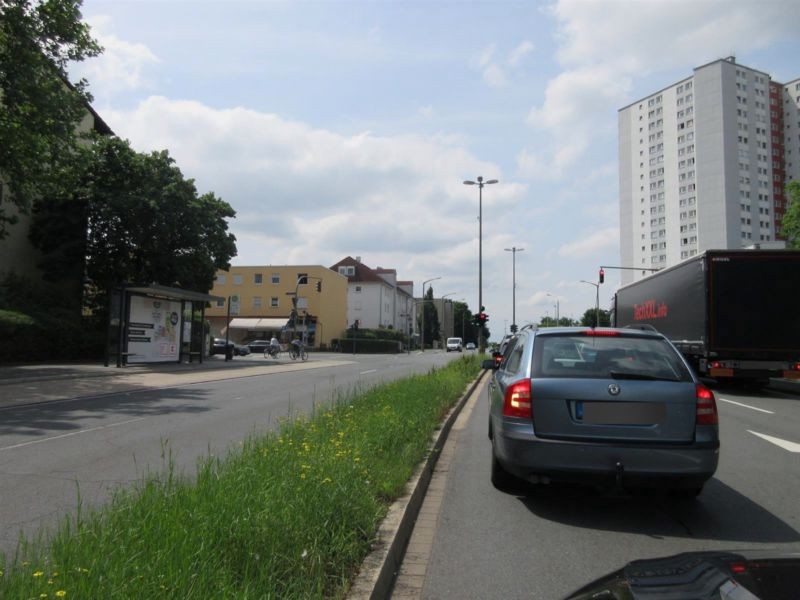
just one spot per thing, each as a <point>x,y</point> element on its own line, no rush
<point>602,275</point>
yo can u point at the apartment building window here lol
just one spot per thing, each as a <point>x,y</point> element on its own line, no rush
<point>256,301</point>
<point>273,302</point>
<point>220,279</point>
<point>275,278</point>
<point>302,278</point>
<point>221,302</point>
<point>258,278</point>
<point>237,280</point>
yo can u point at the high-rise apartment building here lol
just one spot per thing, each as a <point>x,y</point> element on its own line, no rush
<point>703,165</point>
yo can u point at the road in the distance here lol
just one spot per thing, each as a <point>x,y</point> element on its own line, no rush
<point>553,540</point>
<point>50,451</point>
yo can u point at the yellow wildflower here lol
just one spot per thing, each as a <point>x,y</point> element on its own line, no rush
<point>327,480</point>
<point>61,593</point>
<point>38,574</point>
<point>43,595</point>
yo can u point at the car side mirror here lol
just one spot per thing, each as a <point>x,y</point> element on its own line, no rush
<point>489,364</point>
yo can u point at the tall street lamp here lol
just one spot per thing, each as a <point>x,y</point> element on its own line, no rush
<point>480,183</point>
<point>557,306</point>
<point>422,333</point>
<point>596,302</point>
<point>514,251</point>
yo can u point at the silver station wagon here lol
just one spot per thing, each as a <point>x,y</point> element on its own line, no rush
<point>605,406</point>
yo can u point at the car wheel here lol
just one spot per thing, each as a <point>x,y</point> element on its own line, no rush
<point>502,479</point>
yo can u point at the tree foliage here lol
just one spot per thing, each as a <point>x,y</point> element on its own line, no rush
<point>135,218</point>
<point>431,318</point>
<point>588,318</point>
<point>39,108</point>
<point>790,224</point>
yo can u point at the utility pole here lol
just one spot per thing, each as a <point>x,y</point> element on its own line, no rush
<point>514,251</point>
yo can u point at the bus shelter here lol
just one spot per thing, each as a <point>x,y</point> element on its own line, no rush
<point>156,323</point>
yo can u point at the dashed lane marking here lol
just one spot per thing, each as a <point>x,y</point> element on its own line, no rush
<point>786,445</point>
<point>769,412</point>
<point>64,435</point>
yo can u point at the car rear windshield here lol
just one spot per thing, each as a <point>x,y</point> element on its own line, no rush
<point>590,357</point>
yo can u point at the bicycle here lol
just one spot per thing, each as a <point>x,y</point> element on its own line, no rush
<point>270,352</point>
<point>298,351</point>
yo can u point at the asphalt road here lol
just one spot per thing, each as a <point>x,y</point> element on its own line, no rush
<point>50,452</point>
<point>546,542</point>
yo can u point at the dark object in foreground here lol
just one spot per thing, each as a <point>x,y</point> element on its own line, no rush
<point>743,575</point>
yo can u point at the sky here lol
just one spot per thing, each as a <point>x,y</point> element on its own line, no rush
<point>347,128</point>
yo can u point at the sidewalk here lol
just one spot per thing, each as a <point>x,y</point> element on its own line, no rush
<point>36,383</point>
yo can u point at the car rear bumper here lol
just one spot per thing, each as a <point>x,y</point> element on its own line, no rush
<point>529,457</point>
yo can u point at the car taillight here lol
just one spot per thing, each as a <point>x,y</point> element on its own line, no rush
<point>517,402</point>
<point>706,413</point>
<point>601,332</point>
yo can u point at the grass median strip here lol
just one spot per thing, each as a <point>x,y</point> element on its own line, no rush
<point>289,514</point>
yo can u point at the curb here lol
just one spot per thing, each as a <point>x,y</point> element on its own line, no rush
<point>378,571</point>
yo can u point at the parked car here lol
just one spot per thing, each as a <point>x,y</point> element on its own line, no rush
<point>470,346</point>
<point>258,346</point>
<point>219,347</point>
<point>616,406</point>
<point>454,344</point>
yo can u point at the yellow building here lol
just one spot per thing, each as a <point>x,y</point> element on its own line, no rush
<point>261,303</point>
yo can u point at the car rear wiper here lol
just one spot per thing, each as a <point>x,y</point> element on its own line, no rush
<point>639,376</point>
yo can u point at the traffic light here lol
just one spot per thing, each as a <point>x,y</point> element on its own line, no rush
<point>319,286</point>
<point>513,328</point>
<point>602,275</point>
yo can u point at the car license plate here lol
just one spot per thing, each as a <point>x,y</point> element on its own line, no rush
<point>620,413</point>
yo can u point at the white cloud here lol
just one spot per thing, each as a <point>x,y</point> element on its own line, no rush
<point>426,111</point>
<point>122,65</point>
<point>306,194</point>
<point>591,244</point>
<point>494,76</point>
<point>602,53</point>
<point>520,52</point>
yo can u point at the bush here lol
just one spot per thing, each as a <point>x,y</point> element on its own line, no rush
<point>36,325</point>
<point>376,334</point>
<point>370,346</point>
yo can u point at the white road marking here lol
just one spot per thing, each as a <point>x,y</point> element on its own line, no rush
<point>63,435</point>
<point>370,371</point>
<point>769,412</point>
<point>790,446</point>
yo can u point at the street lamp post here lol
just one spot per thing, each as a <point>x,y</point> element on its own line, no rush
<point>480,183</point>
<point>596,302</point>
<point>514,251</point>
<point>422,333</point>
<point>557,306</point>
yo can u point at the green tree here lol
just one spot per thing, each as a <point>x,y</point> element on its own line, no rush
<point>431,318</point>
<point>134,217</point>
<point>790,224</point>
<point>39,108</point>
<point>588,318</point>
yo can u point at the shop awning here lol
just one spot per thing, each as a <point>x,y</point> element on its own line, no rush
<point>253,324</point>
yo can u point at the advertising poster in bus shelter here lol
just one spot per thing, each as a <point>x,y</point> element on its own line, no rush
<point>153,330</point>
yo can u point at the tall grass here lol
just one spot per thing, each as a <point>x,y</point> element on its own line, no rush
<point>289,514</point>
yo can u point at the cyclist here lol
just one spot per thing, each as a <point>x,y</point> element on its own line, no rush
<point>274,346</point>
<point>296,347</point>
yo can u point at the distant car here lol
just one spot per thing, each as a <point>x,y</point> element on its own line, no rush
<point>258,346</point>
<point>614,406</point>
<point>454,344</point>
<point>219,347</point>
<point>470,346</point>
